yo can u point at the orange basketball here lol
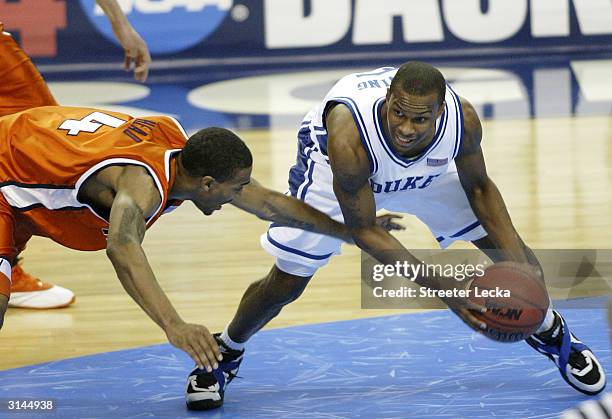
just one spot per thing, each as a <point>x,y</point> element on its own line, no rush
<point>515,298</point>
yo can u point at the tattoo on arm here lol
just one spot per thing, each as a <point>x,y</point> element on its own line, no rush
<point>132,219</point>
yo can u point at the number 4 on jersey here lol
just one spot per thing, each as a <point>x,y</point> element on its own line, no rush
<point>90,123</point>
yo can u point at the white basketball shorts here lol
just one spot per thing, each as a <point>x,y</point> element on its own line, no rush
<point>443,207</point>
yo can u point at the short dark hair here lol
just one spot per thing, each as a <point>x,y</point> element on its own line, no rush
<point>215,152</point>
<point>418,78</point>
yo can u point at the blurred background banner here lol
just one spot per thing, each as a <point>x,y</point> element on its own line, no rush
<point>299,32</point>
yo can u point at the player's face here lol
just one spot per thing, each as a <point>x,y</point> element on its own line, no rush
<point>411,121</point>
<point>211,198</point>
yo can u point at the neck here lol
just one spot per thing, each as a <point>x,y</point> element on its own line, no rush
<point>182,183</point>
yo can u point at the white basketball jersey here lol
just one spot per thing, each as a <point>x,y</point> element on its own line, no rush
<point>391,174</point>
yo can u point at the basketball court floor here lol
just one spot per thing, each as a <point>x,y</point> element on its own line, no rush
<point>548,145</point>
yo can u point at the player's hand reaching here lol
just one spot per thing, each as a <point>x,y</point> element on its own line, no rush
<point>136,51</point>
<point>137,56</point>
<point>197,341</point>
<point>463,306</point>
<point>387,221</point>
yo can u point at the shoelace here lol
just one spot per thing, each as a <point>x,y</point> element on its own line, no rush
<point>577,361</point>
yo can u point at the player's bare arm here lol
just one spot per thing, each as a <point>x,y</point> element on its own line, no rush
<point>279,208</point>
<point>136,51</point>
<point>274,206</point>
<point>135,199</point>
<point>483,195</point>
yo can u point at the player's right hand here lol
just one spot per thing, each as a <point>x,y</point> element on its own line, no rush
<point>137,56</point>
<point>197,341</point>
<point>463,307</point>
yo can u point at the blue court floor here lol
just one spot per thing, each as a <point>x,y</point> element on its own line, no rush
<point>426,365</point>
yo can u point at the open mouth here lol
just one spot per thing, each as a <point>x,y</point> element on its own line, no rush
<point>403,141</point>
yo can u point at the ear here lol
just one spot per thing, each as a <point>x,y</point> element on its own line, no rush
<point>206,183</point>
<point>441,109</point>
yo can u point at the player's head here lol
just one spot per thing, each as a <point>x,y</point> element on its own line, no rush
<point>414,101</point>
<point>217,164</point>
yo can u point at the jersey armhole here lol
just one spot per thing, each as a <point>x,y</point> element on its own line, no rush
<point>361,127</point>
<point>121,162</point>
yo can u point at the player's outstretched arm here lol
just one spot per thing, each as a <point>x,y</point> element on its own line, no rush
<point>274,206</point>
<point>136,197</point>
<point>484,196</point>
<point>137,54</point>
<point>279,208</point>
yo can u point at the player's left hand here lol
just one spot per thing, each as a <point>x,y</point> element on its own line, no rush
<point>463,307</point>
<point>387,222</point>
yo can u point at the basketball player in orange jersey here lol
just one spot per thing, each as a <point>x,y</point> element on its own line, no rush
<point>23,88</point>
<point>91,179</point>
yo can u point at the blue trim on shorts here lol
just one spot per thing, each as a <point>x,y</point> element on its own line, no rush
<point>297,173</point>
<point>296,251</point>
<point>467,229</point>
<point>309,177</point>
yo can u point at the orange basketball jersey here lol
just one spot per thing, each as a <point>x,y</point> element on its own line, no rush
<point>48,152</point>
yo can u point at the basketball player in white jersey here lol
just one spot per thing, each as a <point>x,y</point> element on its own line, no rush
<point>400,140</point>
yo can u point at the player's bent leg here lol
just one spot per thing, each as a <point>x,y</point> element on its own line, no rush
<point>576,362</point>
<point>262,301</point>
<point>28,291</point>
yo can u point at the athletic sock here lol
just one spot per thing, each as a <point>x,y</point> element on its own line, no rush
<point>551,333</point>
<point>229,342</point>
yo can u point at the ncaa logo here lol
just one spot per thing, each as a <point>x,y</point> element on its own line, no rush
<point>166,25</point>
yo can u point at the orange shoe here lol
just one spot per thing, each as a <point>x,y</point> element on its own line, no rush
<point>30,292</point>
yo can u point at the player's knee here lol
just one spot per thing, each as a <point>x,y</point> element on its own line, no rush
<point>284,288</point>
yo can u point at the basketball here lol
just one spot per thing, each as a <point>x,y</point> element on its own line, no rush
<point>515,298</point>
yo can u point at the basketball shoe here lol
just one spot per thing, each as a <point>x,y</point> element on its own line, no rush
<point>577,364</point>
<point>30,292</point>
<point>205,390</point>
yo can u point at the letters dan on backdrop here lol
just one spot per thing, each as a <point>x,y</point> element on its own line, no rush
<point>276,28</point>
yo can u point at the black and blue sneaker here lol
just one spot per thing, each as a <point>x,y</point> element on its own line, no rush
<point>205,390</point>
<point>577,364</point>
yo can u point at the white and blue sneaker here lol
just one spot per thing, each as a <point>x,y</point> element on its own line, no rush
<point>577,364</point>
<point>205,390</point>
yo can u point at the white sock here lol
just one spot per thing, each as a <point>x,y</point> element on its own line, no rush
<point>225,338</point>
<point>548,322</point>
